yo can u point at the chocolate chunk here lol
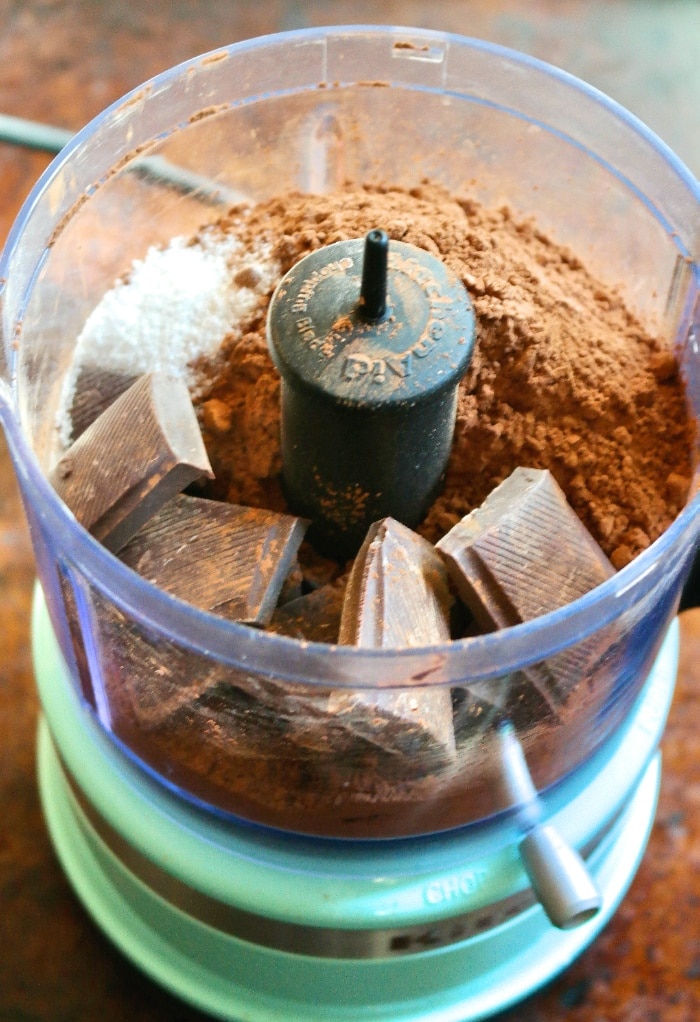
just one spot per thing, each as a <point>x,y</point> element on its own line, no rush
<point>164,688</point>
<point>140,452</point>
<point>219,557</point>
<point>483,705</point>
<point>314,617</point>
<point>473,715</point>
<point>293,585</point>
<point>524,553</point>
<point>397,597</point>
<point>95,390</point>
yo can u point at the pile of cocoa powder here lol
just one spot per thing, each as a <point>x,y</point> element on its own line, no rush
<point>563,376</point>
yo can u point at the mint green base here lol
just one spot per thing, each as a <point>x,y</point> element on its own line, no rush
<point>243,982</point>
<point>233,980</point>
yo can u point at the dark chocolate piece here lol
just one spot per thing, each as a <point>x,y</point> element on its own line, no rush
<point>397,597</point>
<point>524,553</point>
<point>164,687</point>
<point>472,715</point>
<point>219,557</point>
<point>95,390</point>
<point>140,452</point>
<point>313,618</point>
<point>293,585</point>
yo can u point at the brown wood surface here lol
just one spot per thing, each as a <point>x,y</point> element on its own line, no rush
<point>62,61</point>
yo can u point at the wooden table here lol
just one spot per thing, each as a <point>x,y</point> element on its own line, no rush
<point>62,61</point>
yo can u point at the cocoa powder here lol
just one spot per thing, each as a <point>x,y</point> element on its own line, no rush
<point>563,377</point>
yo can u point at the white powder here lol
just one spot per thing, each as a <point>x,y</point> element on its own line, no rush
<point>178,304</point>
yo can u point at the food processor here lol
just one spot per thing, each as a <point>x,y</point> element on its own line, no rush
<point>253,869</point>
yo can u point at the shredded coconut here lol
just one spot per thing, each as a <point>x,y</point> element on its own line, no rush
<point>176,305</point>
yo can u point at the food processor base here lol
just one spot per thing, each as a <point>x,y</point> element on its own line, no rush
<point>236,979</point>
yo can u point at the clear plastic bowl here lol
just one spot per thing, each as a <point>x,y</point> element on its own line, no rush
<point>218,711</point>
